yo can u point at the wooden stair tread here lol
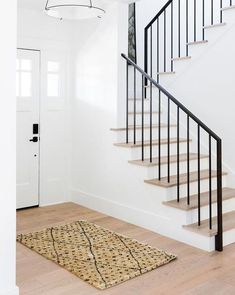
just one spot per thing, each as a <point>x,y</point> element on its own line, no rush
<point>228,193</point>
<point>166,73</point>
<point>228,224</point>
<point>228,7</point>
<point>164,160</point>
<point>197,42</point>
<point>147,143</point>
<point>181,58</point>
<point>131,127</point>
<point>214,26</point>
<point>183,178</point>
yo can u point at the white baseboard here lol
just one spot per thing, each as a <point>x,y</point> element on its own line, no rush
<point>52,204</point>
<point>148,220</point>
<point>13,291</point>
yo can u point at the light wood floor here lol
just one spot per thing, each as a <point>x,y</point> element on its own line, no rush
<point>194,272</point>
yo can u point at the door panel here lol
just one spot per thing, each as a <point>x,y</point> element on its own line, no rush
<point>27,152</point>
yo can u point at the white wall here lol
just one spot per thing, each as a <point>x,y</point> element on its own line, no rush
<point>7,156</point>
<point>94,106</point>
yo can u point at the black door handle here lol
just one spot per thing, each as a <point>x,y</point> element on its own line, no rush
<point>34,139</point>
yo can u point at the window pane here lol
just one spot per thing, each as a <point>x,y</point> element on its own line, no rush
<point>26,65</point>
<point>53,85</point>
<point>17,84</point>
<point>26,81</point>
<point>53,66</point>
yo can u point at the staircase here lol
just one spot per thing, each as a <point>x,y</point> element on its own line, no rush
<point>182,154</point>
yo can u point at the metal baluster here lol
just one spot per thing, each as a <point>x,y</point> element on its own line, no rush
<point>199,176</point>
<point>127,104</point>
<point>186,27</point>
<point>179,35</point>
<point>134,105</point>
<point>159,136</point>
<point>146,57</point>
<point>221,12</point>
<point>195,21</point>
<point>212,12</point>
<point>210,185</point>
<point>178,154</point>
<point>158,49</point>
<point>164,40</point>
<point>151,94</point>
<point>142,124</point>
<point>168,142</point>
<point>172,45</point>
<point>203,20</point>
<point>188,163</point>
<point>219,237</point>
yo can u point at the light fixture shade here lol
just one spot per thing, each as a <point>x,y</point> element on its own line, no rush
<point>74,9</point>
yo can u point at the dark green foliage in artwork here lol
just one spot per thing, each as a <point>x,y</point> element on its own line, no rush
<point>132,33</point>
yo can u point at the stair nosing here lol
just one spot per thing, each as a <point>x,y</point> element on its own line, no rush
<point>156,182</point>
<point>147,162</point>
<point>147,143</point>
<point>173,203</point>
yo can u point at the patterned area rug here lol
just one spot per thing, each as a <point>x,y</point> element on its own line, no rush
<point>96,255</point>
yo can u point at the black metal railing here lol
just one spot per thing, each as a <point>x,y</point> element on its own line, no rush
<point>160,97</point>
<point>184,21</point>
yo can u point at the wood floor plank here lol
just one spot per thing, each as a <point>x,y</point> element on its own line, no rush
<point>194,272</point>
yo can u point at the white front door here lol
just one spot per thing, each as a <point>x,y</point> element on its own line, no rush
<point>27,118</point>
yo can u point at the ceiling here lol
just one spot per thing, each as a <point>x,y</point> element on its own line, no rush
<point>40,4</point>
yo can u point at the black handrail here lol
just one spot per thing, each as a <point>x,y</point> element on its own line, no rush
<point>179,104</point>
<point>158,14</point>
<point>200,125</point>
<point>177,31</point>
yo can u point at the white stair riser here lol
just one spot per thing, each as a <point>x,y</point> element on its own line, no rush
<point>192,216</point>
<point>152,172</point>
<point>155,119</point>
<point>204,187</point>
<point>136,152</point>
<point>121,135</point>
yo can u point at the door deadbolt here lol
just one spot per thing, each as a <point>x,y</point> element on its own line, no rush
<point>34,139</point>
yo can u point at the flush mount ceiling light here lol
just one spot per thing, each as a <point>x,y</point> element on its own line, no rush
<point>73,9</point>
